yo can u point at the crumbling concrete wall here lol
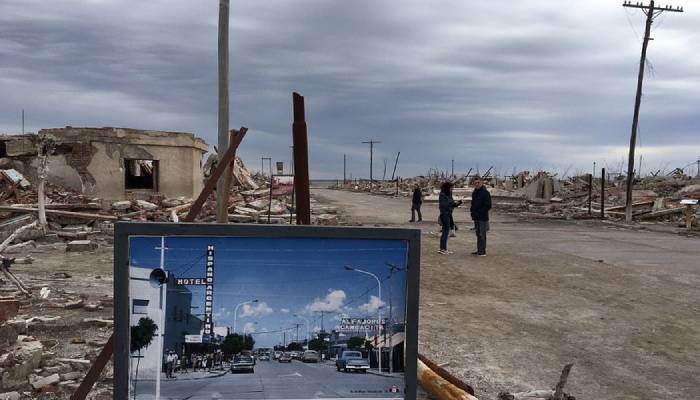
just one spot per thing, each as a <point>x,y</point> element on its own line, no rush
<point>91,160</point>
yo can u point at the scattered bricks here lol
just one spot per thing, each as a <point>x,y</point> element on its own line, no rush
<point>26,358</point>
<point>71,376</point>
<point>8,336</point>
<point>121,205</point>
<point>52,370</point>
<point>40,383</point>
<point>73,304</point>
<point>10,396</point>
<point>91,307</point>
<point>8,309</point>
<point>81,245</point>
<point>144,205</point>
<point>98,322</point>
<point>77,341</point>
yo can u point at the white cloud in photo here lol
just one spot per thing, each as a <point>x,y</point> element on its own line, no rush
<point>332,303</point>
<point>249,327</point>
<point>284,310</point>
<point>374,304</point>
<point>259,310</point>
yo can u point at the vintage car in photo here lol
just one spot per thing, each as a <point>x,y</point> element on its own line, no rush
<point>310,356</point>
<point>243,363</point>
<point>285,357</point>
<point>352,361</point>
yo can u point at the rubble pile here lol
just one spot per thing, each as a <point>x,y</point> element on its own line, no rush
<point>544,195</point>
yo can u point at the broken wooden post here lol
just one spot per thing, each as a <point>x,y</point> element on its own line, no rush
<point>559,390</point>
<point>301,162</point>
<point>590,192</point>
<point>602,194</point>
<point>689,216</point>
<point>229,155</point>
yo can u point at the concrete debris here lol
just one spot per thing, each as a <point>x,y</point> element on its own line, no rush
<point>81,245</point>
<point>545,195</point>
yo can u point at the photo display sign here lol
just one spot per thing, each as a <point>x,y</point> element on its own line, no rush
<point>207,311</point>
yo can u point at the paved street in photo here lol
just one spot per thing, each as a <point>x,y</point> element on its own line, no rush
<point>275,380</point>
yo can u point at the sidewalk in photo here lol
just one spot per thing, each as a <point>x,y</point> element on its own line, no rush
<point>385,374</point>
<point>190,376</point>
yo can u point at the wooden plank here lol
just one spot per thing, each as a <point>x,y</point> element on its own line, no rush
<point>33,210</point>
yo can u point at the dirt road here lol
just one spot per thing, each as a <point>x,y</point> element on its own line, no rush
<point>623,305</point>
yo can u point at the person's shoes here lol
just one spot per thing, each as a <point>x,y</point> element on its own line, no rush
<point>450,252</point>
<point>411,220</point>
<point>475,253</point>
<point>420,220</point>
<point>443,252</point>
<point>482,255</point>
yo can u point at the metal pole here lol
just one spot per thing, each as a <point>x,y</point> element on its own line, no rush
<point>344,170</point>
<point>602,194</point>
<point>395,164</point>
<point>163,309</point>
<point>23,121</point>
<point>224,185</point>
<point>269,204</point>
<point>301,162</point>
<point>590,192</point>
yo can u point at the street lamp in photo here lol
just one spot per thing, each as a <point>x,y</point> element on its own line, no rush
<point>235,311</point>
<point>379,313</point>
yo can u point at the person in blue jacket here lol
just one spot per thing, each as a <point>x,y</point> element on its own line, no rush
<point>447,205</point>
<point>481,204</point>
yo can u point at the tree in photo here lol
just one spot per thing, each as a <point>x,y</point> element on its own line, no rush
<point>235,343</point>
<point>317,344</point>
<point>141,337</point>
<point>356,342</point>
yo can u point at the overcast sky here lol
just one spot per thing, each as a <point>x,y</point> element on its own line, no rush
<point>514,84</point>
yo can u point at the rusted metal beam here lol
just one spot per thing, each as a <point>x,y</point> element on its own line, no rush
<point>228,158</point>
<point>301,162</point>
<point>438,386</point>
<point>446,375</point>
<point>95,370</point>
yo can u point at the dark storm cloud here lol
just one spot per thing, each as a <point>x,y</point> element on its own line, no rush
<point>519,84</point>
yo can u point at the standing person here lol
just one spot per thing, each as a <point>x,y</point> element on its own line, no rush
<point>193,359</point>
<point>170,364</point>
<point>416,202</point>
<point>481,204</point>
<point>447,204</point>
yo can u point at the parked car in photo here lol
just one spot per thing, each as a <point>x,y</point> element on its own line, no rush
<point>285,357</point>
<point>296,355</point>
<point>276,355</point>
<point>243,362</point>
<point>310,356</point>
<point>264,357</point>
<point>352,361</point>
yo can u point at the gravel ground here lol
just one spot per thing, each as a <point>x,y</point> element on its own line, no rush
<point>621,304</point>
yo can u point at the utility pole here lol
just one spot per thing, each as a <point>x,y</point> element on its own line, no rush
<point>395,164</point>
<point>651,12</point>
<point>698,175</point>
<point>392,268</point>
<point>224,185</point>
<point>384,175</point>
<point>23,121</point>
<point>345,181</point>
<point>371,159</point>
<point>453,168</point>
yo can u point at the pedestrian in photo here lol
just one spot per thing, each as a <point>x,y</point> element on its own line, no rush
<point>170,364</point>
<point>416,203</point>
<point>480,207</point>
<point>193,361</point>
<point>447,205</point>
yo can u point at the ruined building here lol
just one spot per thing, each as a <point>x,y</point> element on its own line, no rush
<point>113,163</point>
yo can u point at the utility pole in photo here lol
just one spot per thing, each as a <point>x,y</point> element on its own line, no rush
<point>23,121</point>
<point>396,163</point>
<point>453,168</point>
<point>651,12</point>
<point>371,144</point>
<point>698,175</point>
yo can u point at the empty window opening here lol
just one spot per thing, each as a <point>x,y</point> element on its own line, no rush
<point>141,174</point>
<point>3,149</point>
<point>140,306</point>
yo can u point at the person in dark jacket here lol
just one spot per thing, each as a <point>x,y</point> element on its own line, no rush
<point>447,204</point>
<point>416,202</point>
<point>481,204</point>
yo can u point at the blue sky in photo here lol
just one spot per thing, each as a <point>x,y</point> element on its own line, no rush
<point>287,276</point>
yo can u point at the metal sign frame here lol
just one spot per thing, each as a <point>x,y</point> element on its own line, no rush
<point>124,230</point>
